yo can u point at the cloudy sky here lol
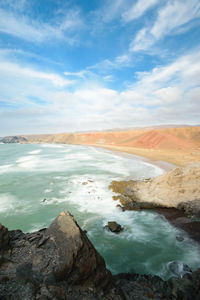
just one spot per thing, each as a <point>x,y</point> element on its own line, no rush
<point>72,65</point>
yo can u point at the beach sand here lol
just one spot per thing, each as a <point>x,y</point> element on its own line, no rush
<point>166,159</point>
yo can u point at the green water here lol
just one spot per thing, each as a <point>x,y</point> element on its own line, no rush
<point>37,182</point>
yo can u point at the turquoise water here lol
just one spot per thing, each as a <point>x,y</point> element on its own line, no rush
<point>37,182</point>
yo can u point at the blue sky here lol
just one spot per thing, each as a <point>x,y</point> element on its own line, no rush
<point>92,65</point>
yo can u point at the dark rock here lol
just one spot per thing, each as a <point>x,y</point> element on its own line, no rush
<point>45,264</point>
<point>67,266</point>
<point>178,218</point>
<point>179,238</point>
<point>143,287</point>
<point>120,207</point>
<point>4,238</point>
<point>191,208</point>
<point>114,227</point>
<point>14,139</point>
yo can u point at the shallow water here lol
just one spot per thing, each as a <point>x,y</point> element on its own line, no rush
<point>37,182</point>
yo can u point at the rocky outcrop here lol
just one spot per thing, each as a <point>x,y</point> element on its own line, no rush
<point>14,139</point>
<point>60,262</point>
<point>175,194</point>
<point>144,287</point>
<point>168,190</point>
<point>54,263</point>
<point>113,227</point>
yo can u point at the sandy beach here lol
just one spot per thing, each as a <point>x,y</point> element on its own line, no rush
<point>166,159</point>
<point>166,166</point>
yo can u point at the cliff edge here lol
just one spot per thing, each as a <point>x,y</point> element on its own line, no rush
<point>54,263</point>
<point>60,262</point>
<point>172,189</point>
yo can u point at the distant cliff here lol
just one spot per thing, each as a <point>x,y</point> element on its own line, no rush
<point>174,145</point>
<point>13,139</point>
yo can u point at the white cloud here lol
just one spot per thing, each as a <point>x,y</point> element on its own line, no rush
<point>138,9</point>
<point>179,13</point>
<point>42,102</point>
<point>118,62</point>
<point>15,70</point>
<point>171,19</point>
<point>20,26</point>
<point>110,10</point>
<point>81,74</point>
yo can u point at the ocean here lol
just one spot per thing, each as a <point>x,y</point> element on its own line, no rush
<point>37,182</point>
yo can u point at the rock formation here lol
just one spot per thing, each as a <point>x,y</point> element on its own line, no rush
<point>54,263</point>
<point>13,139</point>
<point>172,189</point>
<point>113,227</point>
<point>60,262</point>
<point>175,194</point>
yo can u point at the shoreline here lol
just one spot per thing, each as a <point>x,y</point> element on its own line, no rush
<point>176,158</point>
<point>121,151</point>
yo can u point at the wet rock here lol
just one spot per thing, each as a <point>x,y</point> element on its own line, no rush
<point>120,207</point>
<point>179,238</point>
<point>114,227</point>
<point>84,183</point>
<point>4,238</point>
<point>191,208</point>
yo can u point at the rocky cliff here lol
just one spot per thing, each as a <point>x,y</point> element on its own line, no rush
<point>60,262</point>
<point>168,190</point>
<point>13,139</point>
<point>175,194</point>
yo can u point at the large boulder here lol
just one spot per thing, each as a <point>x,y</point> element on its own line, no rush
<point>54,263</point>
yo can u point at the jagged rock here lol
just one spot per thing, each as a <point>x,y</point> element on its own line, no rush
<point>4,238</point>
<point>143,287</point>
<point>54,263</point>
<point>60,262</point>
<point>114,227</point>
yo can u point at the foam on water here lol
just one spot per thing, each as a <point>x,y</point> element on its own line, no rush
<point>10,204</point>
<point>5,168</point>
<point>28,162</point>
<point>35,151</point>
<point>52,146</point>
<point>51,178</point>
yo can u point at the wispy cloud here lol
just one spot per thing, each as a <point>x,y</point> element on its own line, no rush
<point>138,9</point>
<point>170,19</point>
<point>24,27</point>
<point>12,68</point>
<point>118,62</point>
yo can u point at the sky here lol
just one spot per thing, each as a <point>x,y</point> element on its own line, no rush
<point>84,65</point>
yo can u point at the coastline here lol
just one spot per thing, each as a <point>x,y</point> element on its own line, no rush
<point>176,158</point>
<point>124,152</point>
